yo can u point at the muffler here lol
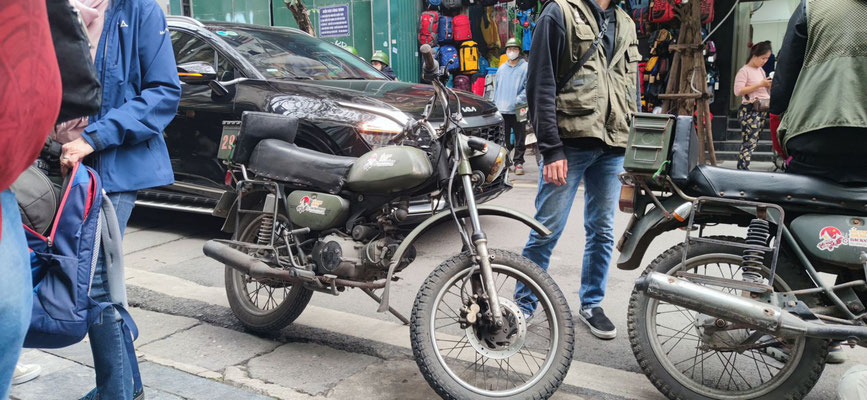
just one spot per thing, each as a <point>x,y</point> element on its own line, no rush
<point>243,262</point>
<point>750,313</point>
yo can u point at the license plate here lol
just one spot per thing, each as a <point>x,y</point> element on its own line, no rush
<point>231,129</point>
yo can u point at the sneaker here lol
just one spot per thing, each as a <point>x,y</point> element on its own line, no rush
<point>600,325</point>
<point>519,169</point>
<point>25,373</point>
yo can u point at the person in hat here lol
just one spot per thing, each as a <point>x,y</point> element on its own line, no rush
<point>380,62</point>
<point>352,50</point>
<point>511,91</point>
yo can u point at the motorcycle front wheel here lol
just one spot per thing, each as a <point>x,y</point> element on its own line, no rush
<point>686,360</point>
<point>526,358</point>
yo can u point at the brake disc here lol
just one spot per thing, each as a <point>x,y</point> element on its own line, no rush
<point>503,342</point>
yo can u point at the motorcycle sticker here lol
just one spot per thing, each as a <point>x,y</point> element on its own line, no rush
<point>311,205</point>
<point>830,238</point>
<point>857,238</point>
<point>379,160</point>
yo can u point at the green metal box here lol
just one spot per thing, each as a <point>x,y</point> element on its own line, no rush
<point>650,138</point>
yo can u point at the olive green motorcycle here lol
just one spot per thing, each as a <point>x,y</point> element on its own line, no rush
<point>307,222</point>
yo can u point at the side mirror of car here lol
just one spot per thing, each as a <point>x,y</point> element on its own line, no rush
<point>196,73</point>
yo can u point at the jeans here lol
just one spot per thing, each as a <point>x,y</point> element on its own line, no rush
<point>520,144</point>
<point>598,169</point>
<point>110,361</point>
<point>16,289</point>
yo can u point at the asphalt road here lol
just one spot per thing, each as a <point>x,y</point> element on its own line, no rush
<point>170,243</point>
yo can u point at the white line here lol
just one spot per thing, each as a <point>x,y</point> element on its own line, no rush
<point>584,375</point>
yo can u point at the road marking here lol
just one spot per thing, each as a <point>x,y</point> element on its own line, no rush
<point>584,375</point>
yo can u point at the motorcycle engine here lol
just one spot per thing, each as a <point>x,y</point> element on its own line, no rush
<point>351,259</point>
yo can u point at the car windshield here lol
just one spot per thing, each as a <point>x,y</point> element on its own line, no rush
<point>282,54</point>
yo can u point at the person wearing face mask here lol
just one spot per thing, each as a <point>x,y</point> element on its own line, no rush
<point>511,90</point>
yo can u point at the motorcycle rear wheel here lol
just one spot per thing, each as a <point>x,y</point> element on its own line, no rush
<point>262,306</point>
<point>791,378</point>
<point>530,362</point>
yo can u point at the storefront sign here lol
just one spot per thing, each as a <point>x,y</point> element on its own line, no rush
<point>334,21</point>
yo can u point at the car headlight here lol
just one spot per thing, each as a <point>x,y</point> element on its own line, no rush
<point>378,131</point>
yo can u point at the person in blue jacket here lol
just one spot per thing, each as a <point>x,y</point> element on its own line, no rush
<point>124,144</point>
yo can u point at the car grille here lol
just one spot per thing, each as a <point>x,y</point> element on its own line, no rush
<point>493,133</point>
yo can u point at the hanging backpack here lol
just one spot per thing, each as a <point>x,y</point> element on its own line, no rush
<point>706,11</point>
<point>449,53</point>
<point>434,4</point>
<point>452,4</point>
<point>469,56</point>
<point>478,85</point>
<point>62,263</point>
<point>444,29</point>
<point>462,82</point>
<point>661,11</point>
<point>462,29</point>
<point>484,64</point>
<point>428,27</point>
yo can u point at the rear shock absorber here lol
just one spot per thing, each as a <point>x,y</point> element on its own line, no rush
<point>266,227</point>
<point>758,234</point>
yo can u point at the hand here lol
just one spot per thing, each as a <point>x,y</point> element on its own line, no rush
<point>555,172</point>
<point>766,82</point>
<point>73,153</point>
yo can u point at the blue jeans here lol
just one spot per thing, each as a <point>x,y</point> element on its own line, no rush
<point>599,171</point>
<point>16,289</point>
<point>110,361</point>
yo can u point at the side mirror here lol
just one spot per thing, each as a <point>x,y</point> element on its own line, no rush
<point>196,73</point>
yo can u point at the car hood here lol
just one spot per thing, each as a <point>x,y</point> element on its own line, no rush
<point>409,98</point>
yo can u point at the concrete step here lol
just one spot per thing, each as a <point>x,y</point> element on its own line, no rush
<point>735,135</point>
<point>733,155</point>
<point>731,145</point>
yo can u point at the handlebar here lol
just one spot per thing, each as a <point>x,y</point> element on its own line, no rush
<point>431,67</point>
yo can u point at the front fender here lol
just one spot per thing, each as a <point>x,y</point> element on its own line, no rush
<point>443,216</point>
<point>642,231</point>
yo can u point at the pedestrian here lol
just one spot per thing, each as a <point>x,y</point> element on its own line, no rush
<point>580,114</point>
<point>379,60</point>
<point>853,384</point>
<point>125,145</point>
<point>29,104</point>
<point>752,83</point>
<point>510,91</point>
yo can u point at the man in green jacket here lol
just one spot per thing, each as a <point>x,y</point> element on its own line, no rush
<point>580,113</point>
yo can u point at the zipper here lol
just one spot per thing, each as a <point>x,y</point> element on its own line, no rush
<point>96,246</point>
<point>62,205</point>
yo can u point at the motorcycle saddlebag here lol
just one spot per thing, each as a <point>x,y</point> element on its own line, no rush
<point>649,143</point>
<point>684,150</point>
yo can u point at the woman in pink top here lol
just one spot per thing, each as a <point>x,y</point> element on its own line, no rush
<point>752,83</point>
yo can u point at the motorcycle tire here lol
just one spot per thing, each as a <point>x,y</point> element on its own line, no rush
<point>552,305</point>
<point>253,317</point>
<point>796,377</point>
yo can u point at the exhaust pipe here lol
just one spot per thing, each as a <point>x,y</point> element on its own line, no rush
<point>742,310</point>
<point>243,263</point>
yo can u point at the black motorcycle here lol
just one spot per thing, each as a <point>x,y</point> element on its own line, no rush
<point>305,221</point>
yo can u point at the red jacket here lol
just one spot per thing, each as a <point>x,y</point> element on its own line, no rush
<point>30,99</point>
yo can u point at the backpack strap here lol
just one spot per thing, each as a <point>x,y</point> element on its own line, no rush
<point>585,57</point>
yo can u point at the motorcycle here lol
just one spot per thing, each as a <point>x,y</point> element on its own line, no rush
<point>308,222</point>
<point>749,317</point>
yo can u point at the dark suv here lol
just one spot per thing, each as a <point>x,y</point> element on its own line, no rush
<point>347,107</point>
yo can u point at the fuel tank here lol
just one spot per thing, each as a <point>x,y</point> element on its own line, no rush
<point>389,169</point>
<point>317,211</point>
<point>835,239</point>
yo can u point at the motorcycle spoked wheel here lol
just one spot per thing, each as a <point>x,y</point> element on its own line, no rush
<point>667,342</point>
<point>523,360</point>
<point>262,306</point>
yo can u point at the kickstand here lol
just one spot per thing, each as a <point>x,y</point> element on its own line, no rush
<point>390,309</point>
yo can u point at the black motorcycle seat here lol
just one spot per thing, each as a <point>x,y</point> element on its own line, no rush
<point>778,188</point>
<point>286,162</point>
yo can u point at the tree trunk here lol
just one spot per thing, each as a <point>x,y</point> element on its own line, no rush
<point>301,14</point>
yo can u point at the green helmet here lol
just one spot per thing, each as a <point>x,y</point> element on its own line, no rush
<point>513,43</point>
<point>380,56</point>
<point>351,50</point>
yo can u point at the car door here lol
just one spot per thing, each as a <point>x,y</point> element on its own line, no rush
<point>194,135</point>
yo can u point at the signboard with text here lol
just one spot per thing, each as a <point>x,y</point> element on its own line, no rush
<point>334,21</point>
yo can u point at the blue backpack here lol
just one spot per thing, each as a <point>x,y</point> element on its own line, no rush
<point>445,32</point>
<point>448,53</point>
<point>434,3</point>
<point>484,64</point>
<point>62,265</point>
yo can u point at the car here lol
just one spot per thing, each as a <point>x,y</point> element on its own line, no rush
<point>346,106</point>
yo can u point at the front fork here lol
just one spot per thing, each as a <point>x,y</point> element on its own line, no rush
<point>480,240</point>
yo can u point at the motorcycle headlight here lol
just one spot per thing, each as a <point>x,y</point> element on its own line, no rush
<point>378,131</point>
<point>492,161</point>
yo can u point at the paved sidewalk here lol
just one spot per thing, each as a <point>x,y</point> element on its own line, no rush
<point>183,358</point>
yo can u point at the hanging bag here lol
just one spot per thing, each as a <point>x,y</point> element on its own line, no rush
<point>428,27</point>
<point>469,55</point>
<point>462,29</point>
<point>661,11</point>
<point>444,30</point>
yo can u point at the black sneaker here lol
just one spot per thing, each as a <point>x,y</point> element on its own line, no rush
<point>600,325</point>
